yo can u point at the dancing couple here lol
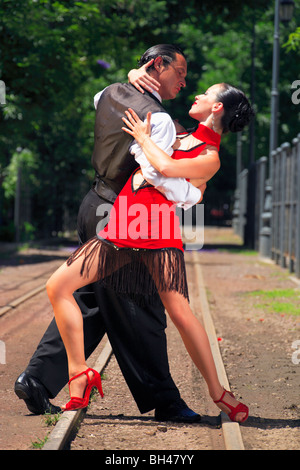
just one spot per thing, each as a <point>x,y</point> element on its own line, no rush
<point>139,268</point>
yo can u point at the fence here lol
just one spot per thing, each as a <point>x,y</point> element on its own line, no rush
<point>269,209</point>
<point>285,240</point>
<point>249,203</point>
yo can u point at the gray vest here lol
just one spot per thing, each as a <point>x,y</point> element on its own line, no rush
<point>111,158</point>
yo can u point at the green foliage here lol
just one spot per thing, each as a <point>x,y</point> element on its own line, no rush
<point>55,55</point>
<point>293,43</point>
<point>24,160</point>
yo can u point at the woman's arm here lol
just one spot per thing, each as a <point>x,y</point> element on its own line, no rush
<point>204,166</point>
<point>178,190</point>
<point>141,79</point>
<point>202,188</point>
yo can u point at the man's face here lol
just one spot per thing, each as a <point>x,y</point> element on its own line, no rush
<point>172,77</point>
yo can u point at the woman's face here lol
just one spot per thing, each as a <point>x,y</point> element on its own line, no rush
<point>204,103</point>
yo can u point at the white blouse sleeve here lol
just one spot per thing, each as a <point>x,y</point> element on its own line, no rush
<point>177,190</point>
<point>97,98</point>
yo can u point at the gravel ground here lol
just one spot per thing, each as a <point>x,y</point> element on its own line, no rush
<point>257,350</point>
<point>257,346</point>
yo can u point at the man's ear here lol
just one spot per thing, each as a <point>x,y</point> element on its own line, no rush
<point>158,62</point>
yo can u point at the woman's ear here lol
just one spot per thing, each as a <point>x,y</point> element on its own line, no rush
<point>217,107</point>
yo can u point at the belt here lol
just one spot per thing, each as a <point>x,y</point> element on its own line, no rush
<point>103,189</point>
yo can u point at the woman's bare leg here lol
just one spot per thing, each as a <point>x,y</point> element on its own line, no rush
<point>60,288</point>
<point>197,344</point>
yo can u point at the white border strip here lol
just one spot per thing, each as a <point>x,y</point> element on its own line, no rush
<point>231,431</point>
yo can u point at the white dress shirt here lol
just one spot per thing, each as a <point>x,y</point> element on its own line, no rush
<point>163,133</point>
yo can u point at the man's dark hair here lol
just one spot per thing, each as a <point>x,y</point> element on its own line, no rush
<point>166,51</point>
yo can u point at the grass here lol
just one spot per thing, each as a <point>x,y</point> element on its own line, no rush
<point>49,420</point>
<point>282,301</point>
<point>39,444</point>
<point>238,250</point>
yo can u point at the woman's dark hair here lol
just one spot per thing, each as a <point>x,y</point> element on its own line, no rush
<point>237,109</point>
<point>166,51</point>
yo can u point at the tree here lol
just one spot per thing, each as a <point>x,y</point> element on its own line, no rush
<point>55,55</point>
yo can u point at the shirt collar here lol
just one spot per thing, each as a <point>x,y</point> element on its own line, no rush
<point>154,93</point>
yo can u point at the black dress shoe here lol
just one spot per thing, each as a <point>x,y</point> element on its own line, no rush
<point>32,391</point>
<point>178,412</point>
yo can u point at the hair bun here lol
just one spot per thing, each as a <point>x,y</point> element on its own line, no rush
<point>237,109</point>
<point>241,118</point>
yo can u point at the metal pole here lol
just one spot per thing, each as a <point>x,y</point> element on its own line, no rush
<point>238,157</point>
<point>17,204</point>
<point>266,231</point>
<point>253,98</point>
<point>274,92</point>
<point>297,249</point>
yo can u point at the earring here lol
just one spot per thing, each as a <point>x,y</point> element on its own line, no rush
<point>213,123</point>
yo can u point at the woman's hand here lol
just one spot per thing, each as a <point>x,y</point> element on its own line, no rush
<point>138,129</point>
<point>141,79</point>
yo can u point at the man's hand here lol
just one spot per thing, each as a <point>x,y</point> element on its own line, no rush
<point>141,79</point>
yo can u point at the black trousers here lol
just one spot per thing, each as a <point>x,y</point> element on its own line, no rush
<point>137,335</point>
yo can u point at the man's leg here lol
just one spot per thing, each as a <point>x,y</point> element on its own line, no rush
<point>138,338</point>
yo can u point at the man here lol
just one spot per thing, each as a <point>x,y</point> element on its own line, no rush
<point>137,335</point>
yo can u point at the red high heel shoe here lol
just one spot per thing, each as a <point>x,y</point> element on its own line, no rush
<point>240,408</point>
<point>76,402</point>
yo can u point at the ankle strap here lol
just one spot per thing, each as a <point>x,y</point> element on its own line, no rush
<point>86,372</point>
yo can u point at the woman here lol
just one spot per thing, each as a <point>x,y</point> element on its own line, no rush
<point>154,260</point>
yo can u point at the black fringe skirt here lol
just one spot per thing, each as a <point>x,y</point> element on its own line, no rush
<point>137,273</point>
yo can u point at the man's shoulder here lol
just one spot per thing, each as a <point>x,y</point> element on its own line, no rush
<point>120,96</point>
<point>121,86</point>
<point>127,89</point>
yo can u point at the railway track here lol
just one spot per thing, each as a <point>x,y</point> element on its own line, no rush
<point>71,423</point>
<point>19,285</point>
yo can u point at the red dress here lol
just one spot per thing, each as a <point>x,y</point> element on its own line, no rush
<point>144,218</point>
<point>142,240</point>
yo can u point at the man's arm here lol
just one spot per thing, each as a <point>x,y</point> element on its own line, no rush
<point>163,133</point>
